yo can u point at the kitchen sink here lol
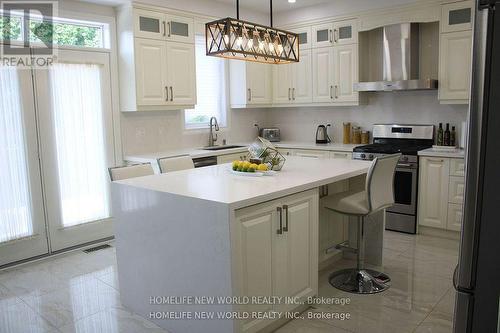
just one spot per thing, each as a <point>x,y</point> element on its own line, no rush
<point>222,147</point>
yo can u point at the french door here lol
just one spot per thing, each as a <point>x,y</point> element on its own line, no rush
<point>74,104</point>
<point>22,224</point>
<point>56,143</point>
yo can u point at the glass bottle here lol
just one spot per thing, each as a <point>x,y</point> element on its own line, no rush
<point>440,135</point>
<point>447,135</point>
<point>453,137</point>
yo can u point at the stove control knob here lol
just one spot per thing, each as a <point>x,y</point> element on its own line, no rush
<point>371,157</point>
<point>363,156</point>
<point>405,158</point>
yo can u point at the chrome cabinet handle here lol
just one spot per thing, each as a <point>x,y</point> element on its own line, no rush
<point>249,94</point>
<point>330,34</point>
<point>171,94</point>
<point>166,91</point>
<point>336,91</point>
<point>280,213</point>
<point>169,29</point>
<point>164,29</point>
<point>336,36</point>
<point>286,228</point>
<point>289,90</point>
<point>293,94</point>
<point>331,92</point>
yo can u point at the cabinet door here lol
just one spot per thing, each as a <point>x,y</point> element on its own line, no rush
<point>345,32</point>
<point>302,78</point>
<point>305,42</point>
<point>346,72</point>
<point>295,251</point>
<point>322,35</point>
<point>454,217</point>
<point>151,71</point>
<point>231,157</point>
<point>259,83</point>
<point>255,231</point>
<point>282,83</point>
<point>455,66</point>
<point>457,167</point>
<point>341,155</point>
<point>323,74</point>
<point>285,152</point>
<point>433,192</point>
<point>180,29</point>
<point>149,24</point>
<point>181,73</point>
<point>456,190</point>
<point>457,16</point>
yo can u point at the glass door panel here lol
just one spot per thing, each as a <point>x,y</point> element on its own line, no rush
<point>76,134</point>
<point>22,228</point>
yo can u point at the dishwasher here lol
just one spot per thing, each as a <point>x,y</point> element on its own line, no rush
<point>204,161</point>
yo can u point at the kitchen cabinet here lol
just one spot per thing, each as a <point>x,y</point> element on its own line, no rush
<point>250,84</point>
<point>455,56</point>
<point>232,157</point>
<point>156,58</point>
<point>336,33</point>
<point>292,83</point>
<point>433,192</point>
<point>162,26</point>
<point>441,193</point>
<point>305,40</point>
<point>276,250</point>
<point>455,61</point>
<point>341,155</point>
<point>321,154</point>
<point>335,70</point>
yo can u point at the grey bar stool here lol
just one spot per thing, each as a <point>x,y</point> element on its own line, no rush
<point>378,195</point>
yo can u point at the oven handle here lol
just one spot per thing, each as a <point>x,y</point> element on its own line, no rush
<point>406,166</point>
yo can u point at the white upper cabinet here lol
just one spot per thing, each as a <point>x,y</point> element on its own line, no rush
<point>181,73</point>
<point>158,25</point>
<point>346,73</point>
<point>250,84</point>
<point>345,32</point>
<point>336,33</point>
<point>305,37</point>
<point>323,75</point>
<point>457,16</point>
<point>151,72</point>
<point>292,83</point>
<point>156,57</point>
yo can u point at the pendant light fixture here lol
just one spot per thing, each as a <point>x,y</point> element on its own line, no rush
<point>236,39</point>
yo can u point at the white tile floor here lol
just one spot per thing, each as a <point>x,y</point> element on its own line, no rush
<point>78,292</point>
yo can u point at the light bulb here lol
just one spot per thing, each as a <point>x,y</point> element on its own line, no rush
<point>226,39</point>
<point>271,47</point>
<point>250,43</point>
<point>280,49</point>
<point>239,41</point>
<point>261,45</point>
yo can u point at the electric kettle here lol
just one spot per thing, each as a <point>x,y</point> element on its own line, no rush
<point>322,134</point>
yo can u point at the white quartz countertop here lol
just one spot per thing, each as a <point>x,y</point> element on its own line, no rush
<point>431,152</point>
<point>218,184</point>
<point>199,153</point>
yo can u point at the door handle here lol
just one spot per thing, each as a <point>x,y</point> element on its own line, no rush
<point>164,28</point>
<point>169,29</point>
<point>330,34</point>
<point>336,35</point>
<point>166,91</point>
<point>249,94</point>
<point>171,94</point>
<point>336,91</point>
<point>289,90</point>
<point>286,228</point>
<point>280,213</point>
<point>293,94</point>
<point>331,92</point>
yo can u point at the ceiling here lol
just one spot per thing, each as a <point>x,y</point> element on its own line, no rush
<point>278,5</point>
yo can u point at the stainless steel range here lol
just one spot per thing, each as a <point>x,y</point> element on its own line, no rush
<point>407,140</point>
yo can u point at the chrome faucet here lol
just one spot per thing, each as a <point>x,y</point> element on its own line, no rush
<point>211,138</point>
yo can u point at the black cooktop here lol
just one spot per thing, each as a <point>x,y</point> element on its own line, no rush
<point>393,146</point>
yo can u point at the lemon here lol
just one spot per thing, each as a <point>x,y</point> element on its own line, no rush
<point>262,167</point>
<point>253,166</point>
<point>241,164</point>
<point>236,164</point>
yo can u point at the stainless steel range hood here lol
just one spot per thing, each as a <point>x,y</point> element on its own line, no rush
<point>394,60</point>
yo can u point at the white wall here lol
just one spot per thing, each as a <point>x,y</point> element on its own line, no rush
<point>422,107</point>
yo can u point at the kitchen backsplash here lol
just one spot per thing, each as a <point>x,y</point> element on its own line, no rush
<point>422,107</point>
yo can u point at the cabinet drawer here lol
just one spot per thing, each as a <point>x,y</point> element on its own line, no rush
<point>340,154</point>
<point>286,152</point>
<point>457,167</point>
<point>454,221</point>
<point>456,190</point>
<point>222,159</point>
<point>312,153</point>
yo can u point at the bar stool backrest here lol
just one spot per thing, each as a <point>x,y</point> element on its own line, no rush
<point>380,182</point>
<point>170,164</point>
<point>130,171</point>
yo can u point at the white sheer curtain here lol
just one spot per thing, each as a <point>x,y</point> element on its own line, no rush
<point>15,202</point>
<point>80,146</point>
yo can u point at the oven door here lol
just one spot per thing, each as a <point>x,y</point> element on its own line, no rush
<point>405,190</point>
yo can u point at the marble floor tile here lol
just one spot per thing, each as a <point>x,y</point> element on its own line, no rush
<point>114,320</point>
<point>436,322</point>
<point>111,279</point>
<point>447,303</point>
<point>64,306</point>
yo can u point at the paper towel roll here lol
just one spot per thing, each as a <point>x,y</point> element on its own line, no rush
<point>463,135</point>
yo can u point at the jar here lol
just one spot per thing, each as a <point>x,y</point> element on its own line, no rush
<point>347,133</point>
<point>365,137</point>
<point>356,135</point>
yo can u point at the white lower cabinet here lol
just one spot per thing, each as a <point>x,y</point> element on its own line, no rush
<point>312,153</point>
<point>440,194</point>
<point>232,157</point>
<point>275,248</point>
<point>341,155</point>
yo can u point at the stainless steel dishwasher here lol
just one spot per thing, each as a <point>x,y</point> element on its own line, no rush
<point>204,161</point>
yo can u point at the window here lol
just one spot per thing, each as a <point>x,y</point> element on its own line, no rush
<point>210,89</point>
<point>63,32</point>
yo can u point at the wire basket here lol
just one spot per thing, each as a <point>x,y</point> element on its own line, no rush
<point>263,149</point>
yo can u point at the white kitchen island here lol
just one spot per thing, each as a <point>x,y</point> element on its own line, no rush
<point>209,233</point>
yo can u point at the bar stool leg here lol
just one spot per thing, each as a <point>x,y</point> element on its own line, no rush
<point>360,280</point>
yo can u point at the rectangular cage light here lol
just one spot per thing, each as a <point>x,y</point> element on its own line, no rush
<point>236,39</point>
